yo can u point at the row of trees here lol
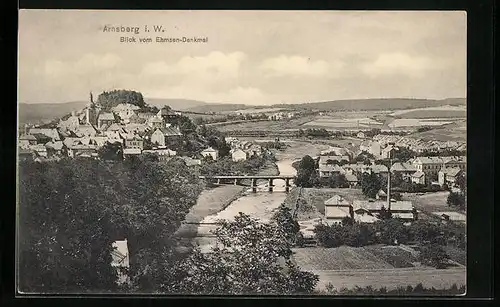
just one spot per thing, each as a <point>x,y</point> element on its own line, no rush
<point>432,237</point>
<point>315,133</point>
<point>226,165</point>
<point>388,231</point>
<point>407,291</point>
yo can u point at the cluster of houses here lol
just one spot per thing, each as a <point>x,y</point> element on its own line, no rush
<point>83,133</point>
<point>282,115</point>
<point>419,170</point>
<point>242,150</point>
<point>338,208</point>
<point>418,145</point>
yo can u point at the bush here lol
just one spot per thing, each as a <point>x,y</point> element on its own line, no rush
<point>434,255</point>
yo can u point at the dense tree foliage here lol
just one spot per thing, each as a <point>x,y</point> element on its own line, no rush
<point>113,98</point>
<point>226,166</point>
<point>424,232</point>
<point>336,181</point>
<point>111,152</point>
<point>306,173</point>
<point>154,196</point>
<point>65,229</point>
<point>370,184</point>
<point>434,255</point>
<point>313,133</point>
<point>72,211</point>
<point>184,123</point>
<point>456,200</point>
<point>364,157</point>
<point>249,258</point>
<point>391,231</point>
<point>349,233</point>
<point>284,219</point>
<point>442,153</point>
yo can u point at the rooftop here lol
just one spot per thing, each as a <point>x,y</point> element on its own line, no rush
<point>106,116</point>
<point>337,200</point>
<point>377,205</point>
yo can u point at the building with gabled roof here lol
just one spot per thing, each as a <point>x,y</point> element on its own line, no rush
<point>449,175</point>
<point>26,140</point>
<point>238,155</point>
<point>161,135</point>
<point>49,132</point>
<point>418,177</point>
<point>399,209</point>
<point>351,179</point>
<point>210,152</point>
<point>327,170</point>
<point>156,122</point>
<point>86,130</point>
<point>134,141</point>
<point>104,119</point>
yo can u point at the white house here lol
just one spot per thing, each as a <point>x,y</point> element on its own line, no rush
<point>449,175</point>
<point>336,209</point>
<point>418,177</point>
<point>210,152</point>
<point>238,155</point>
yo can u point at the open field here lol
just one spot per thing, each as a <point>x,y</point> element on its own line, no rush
<point>452,132</point>
<point>393,278</point>
<point>430,202</point>
<point>339,258</point>
<point>442,111</point>
<point>377,266</point>
<point>393,255</point>
<point>256,110</point>
<point>373,257</point>
<point>350,123</point>
<point>292,124</point>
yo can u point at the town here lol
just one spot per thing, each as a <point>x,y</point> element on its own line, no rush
<point>211,162</point>
<point>329,182</point>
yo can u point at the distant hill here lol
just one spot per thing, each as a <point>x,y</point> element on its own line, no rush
<point>374,104</point>
<point>176,104</point>
<point>218,107</point>
<point>42,112</point>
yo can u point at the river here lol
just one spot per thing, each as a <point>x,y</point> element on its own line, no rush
<point>260,205</point>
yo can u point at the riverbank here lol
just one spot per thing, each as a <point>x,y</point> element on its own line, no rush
<point>209,202</point>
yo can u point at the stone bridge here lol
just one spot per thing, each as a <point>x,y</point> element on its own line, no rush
<point>236,180</point>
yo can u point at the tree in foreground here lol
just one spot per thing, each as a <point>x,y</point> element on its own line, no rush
<point>65,229</point>
<point>249,258</point>
<point>284,219</point>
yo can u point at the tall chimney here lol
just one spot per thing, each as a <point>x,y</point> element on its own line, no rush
<point>88,116</point>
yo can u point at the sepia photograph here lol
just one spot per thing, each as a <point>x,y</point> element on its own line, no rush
<point>252,153</point>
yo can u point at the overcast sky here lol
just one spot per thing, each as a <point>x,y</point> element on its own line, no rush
<point>252,57</point>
